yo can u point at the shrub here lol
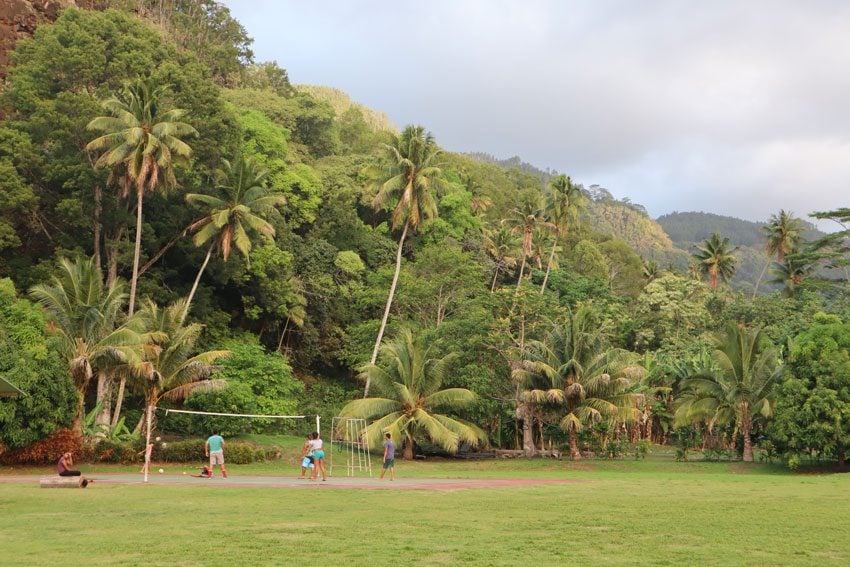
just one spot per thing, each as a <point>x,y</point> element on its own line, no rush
<point>109,451</point>
<point>45,451</point>
<point>642,448</point>
<point>193,450</point>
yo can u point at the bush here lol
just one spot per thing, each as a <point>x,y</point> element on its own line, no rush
<point>107,451</point>
<point>43,452</point>
<point>193,450</point>
<point>642,448</point>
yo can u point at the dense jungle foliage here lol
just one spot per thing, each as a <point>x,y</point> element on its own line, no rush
<point>200,233</point>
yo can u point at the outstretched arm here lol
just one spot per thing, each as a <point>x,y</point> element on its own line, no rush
<point>207,448</point>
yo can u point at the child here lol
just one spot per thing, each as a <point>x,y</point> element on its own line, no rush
<point>389,457</point>
<point>148,451</point>
<point>307,457</point>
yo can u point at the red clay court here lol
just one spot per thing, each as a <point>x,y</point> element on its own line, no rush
<point>293,482</point>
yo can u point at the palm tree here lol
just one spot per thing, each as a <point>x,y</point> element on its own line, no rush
<point>784,235</point>
<point>146,141</point>
<point>236,203</point>
<point>564,202</point>
<point>479,203</point>
<point>410,382</point>
<point>794,270</point>
<point>170,370</point>
<point>524,219</point>
<point>573,367</point>
<point>651,270</point>
<point>501,245</point>
<point>742,388</point>
<point>85,316</point>
<point>410,173</point>
<point>715,259</point>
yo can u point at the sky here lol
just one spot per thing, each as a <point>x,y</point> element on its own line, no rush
<point>735,108</point>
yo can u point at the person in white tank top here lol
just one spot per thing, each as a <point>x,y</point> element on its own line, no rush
<point>318,456</point>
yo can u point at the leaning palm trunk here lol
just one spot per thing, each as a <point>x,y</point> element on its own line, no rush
<point>519,279</point>
<point>549,266</point>
<point>761,275</point>
<point>389,304</point>
<point>495,276</point>
<point>195,285</point>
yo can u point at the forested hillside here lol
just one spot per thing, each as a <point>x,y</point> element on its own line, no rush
<point>181,227</point>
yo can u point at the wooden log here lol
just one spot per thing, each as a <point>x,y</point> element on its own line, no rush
<point>63,482</point>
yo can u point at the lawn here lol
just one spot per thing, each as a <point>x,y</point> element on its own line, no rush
<point>625,512</point>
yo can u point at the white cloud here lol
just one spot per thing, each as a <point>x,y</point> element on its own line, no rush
<point>731,107</point>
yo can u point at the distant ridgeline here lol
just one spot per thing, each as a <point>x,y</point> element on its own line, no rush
<point>672,238</point>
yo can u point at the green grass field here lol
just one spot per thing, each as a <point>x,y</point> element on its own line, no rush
<point>626,512</point>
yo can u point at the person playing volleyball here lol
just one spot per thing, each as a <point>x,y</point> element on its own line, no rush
<point>318,456</point>
<point>214,449</point>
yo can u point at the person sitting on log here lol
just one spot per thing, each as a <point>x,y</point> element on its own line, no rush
<point>66,461</point>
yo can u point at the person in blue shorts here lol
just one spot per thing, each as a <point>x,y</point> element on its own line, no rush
<point>318,456</point>
<point>389,457</point>
<point>307,456</point>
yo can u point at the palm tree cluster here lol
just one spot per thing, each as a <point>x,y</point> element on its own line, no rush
<point>142,141</point>
<point>574,370</point>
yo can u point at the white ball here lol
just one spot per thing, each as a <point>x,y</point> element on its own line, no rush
<point>161,471</point>
<point>159,438</point>
<point>164,445</point>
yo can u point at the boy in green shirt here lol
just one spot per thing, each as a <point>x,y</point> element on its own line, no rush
<point>214,449</point>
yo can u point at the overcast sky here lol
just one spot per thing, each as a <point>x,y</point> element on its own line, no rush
<point>738,108</point>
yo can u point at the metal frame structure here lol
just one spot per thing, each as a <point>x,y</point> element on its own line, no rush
<point>349,434</point>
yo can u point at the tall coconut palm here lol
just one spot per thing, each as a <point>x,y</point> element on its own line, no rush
<point>410,175</point>
<point>171,369</point>
<point>523,220</point>
<point>412,403</point>
<point>784,235</point>
<point>145,141</point>
<point>716,259</point>
<point>564,202</point>
<point>233,207</point>
<point>573,367</point>
<point>742,389</point>
<point>85,315</point>
<point>501,245</point>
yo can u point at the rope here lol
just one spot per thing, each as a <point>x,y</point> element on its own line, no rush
<point>235,414</point>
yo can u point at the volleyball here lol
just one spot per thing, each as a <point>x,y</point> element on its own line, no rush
<point>159,439</point>
<point>161,471</point>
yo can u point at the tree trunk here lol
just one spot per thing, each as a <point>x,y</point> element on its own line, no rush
<point>389,304</point>
<point>77,424</point>
<point>495,275</point>
<point>137,250</point>
<point>540,431</point>
<point>112,255</point>
<point>748,442</point>
<point>519,279</point>
<point>524,413</point>
<point>104,391</point>
<point>761,275</point>
<point>195,285</point>
<point>119,400</point>
<point>841,458</point>
<point>408,450</point>
<point>575,454</point>
<point>548,266</point>
<point>98,208</point>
